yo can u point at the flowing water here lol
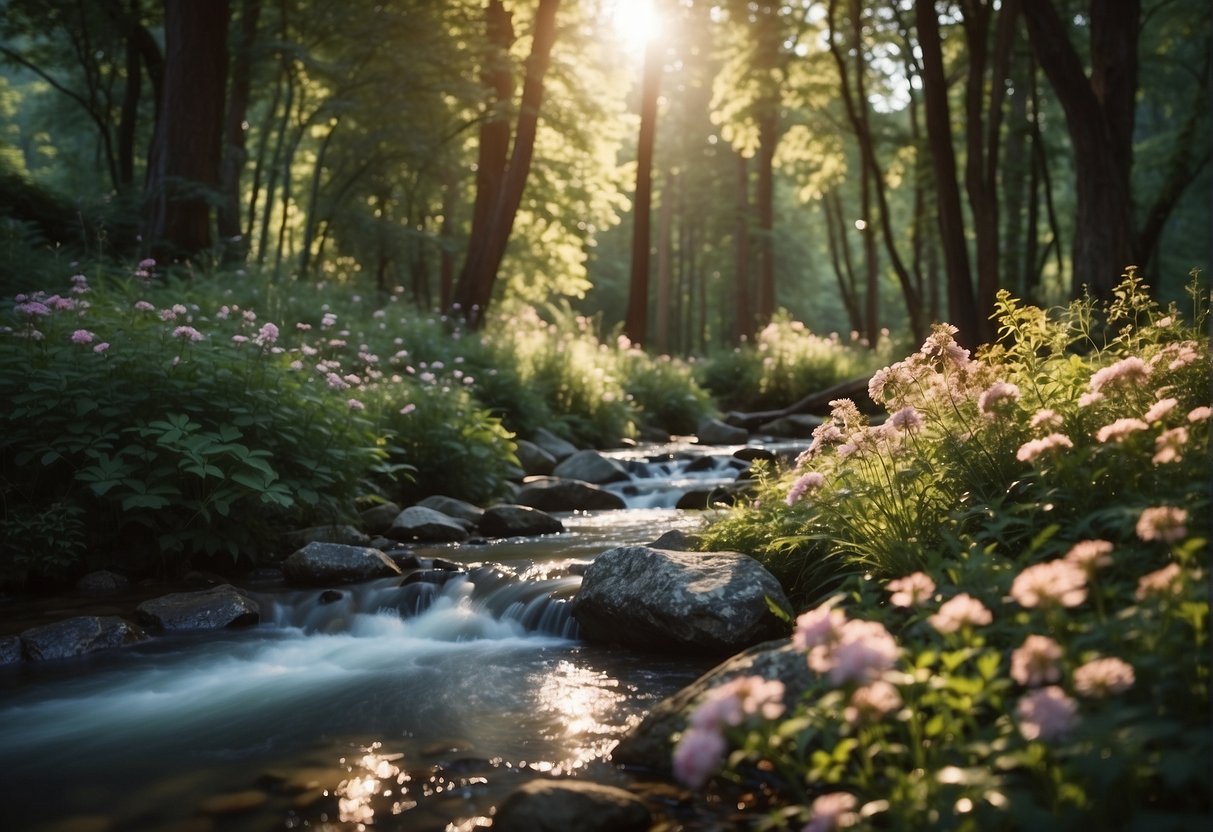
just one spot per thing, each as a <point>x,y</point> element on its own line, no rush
<point>412,707</point>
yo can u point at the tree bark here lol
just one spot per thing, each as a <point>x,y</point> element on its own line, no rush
<point>235,131</point>
<point>665,258</point>
<point>635,324</point>
<point>768,138</point>
<point>743,321</point>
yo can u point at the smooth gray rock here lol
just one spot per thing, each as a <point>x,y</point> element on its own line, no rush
<point>676,540</point>
<point>343,534</point>
<point>378,519</point>
<point>650,743</point>
<point>518,521</point>
<point>796,426</point>
<point>102,582</point>
<point>426,524</point>
<point>459,509</point>
<point>658,599</point>
<point>334,563</point>
<point>77,636</point>
<point>10,650</point>
<point>567,495</point>
<point>207,609</point>
<point>535,461</point>
<point>592,467</point>
<point>559,448</point>
<point>564,805</point>
<point>716,432</point>
<point>704,498</point>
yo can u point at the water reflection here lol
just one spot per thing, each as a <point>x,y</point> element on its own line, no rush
<point>582,704</point>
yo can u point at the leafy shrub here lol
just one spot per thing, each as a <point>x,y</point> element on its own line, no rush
<point>664,392</point>
<point>1025,642</point>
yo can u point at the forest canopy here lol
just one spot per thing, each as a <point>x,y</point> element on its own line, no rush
<point>682,169</point>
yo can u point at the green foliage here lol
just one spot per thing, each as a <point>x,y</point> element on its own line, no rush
<point>1048,500</point>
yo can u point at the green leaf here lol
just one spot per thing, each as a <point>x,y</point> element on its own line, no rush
<point>151,501</point>
<point>250,481</point>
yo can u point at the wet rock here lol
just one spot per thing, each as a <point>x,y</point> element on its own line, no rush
<point>716,432</point>
<point>656,435</point>
<point>208,609</point>
<point>558,806</point>
<point>331,596</point>
<point>700,464</point>
<point>102,582</point>
<point>796,426</point>
<point>658,599</point>
<point>378,519</point>
<point>333,563</point>
<point>568,495</point>
<point>77,636</point>
<point>426,524</point>
<point>676,540</point>
<point>534,459</point>
<point>592,467</point>
<point>429,576</point>
<point>459,509</point>
<point>705,498</point>
<point>443,563</point>
<point>553,444</point>
<point>344,534</point>
<point>649,744</point>
<point>750,453</point>
<point>10,650</point>
<point>518,521</point>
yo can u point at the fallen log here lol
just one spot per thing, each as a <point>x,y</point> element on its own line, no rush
<point>817,404</point>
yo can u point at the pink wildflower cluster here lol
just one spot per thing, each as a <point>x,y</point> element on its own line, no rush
<point>845,650</point>
<point>1124,373</point>
<point>1159,410</point>
<point>701,748</point>
<point>1164,523</point>
<point>1169,445</point>
<point>1058,582</point>
<point>835,810</point>
<point>960,611</point>
<point>805,484</point>
<point>1089,555</point>
<point>1036,661</point>
<point>911,590</point>
<point>1033,448</point>
<point>1046,420</point>
<point>1046,714</point>
<point>1120,430</point>
<point>1161,583</point>
<point>1099,678</point>
<point>997,399</point>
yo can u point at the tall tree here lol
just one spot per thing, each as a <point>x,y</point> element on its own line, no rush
<point>183,171</point>
<point>635,325</point>
<point>235,130</point>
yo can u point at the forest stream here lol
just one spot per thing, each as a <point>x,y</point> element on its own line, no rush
<point>416,707</point>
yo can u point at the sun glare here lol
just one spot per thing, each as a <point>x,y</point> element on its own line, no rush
<point>636,22</point>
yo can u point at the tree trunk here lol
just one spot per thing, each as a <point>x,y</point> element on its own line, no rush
<point>743,321</point>
<point>235,131</point>
<point>840,259</point>
<point>768,138</point>
<point>635,325</point>
<point>665,257</point>
<point>312,219</point>
<point>1100,117</point>
<point>184,164</point>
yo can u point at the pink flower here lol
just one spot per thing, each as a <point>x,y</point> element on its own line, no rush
<point>1036,661</point>
<point>1120,429</point>
<point>335,382</point>
<point>730,703</point>
<point>1160,409</point>
<point>1046,714</point>
<point>82,336</point>
<point>1033,448</point>
<point>354,404</point>
<point>1088,399</point>
<point>1169,445</point>
<point>997,399</point>
<point>911,590</point>
<point>942,345</point>
<point>1131,370</point>
<point>1165,581</point>
<point>864,650</point>
<point>906,419</point>
<point>268,334</point>
<point>818,626</point>
<point>102,347</point>
<point>407,409</point>
<point>1089,555</point>
<point>805,484</point>
<point>1046,584</point>
<point>328,320</point>
<point>835,810</point>
<point>1165,523</point>
<point>239,339</point>
<point>1200,414</point>
<point>1101,677</point>
<point>1046,420</point>
<point>960,611</point>
<point>33,309</point>
<point>144,306</point>
<point>871,702</point>
<point>697,755</point>
<point>187,333</point>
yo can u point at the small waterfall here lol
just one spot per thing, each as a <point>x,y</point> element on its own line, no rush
<point>661,480</point>
<point>487,601</point>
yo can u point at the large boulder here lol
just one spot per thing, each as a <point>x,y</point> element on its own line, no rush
<point>562,805</point>
<point>78,635</point>
<point>649,744</point>
<point>207,609</point>
<point>345,534</point>
<point>659,599</point>
<point>535,461</point>
<point>10,650</point>
<point>378,519</point>
<point>427,525</point>
<point>102,582</point>
<point>553,444</point>
<point>796,426</point>
<point>592,467</point>
<point>459,509</point>
<point>518,521</point>
<point>716,432</point>
<point>333,563</point>
<point>567,495</point>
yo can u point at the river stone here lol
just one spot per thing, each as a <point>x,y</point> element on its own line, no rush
<point>704,498</point>
<point>334,563</point>
<point>658,599</point>
<point>344,534</point>
<point>378,519</point>
<point>459,509</point>
<point>77,636</point>
<point>553,444</point>
<point>535,460</point>
<point>796,426</point>
<point>207,609</point>
<point>426,524</point>
<point>568,495</point>
<point>518,521</point>
<point>559,806</point>
<point>716,432</point>
<point>676,540</point>
<point>101,582</point>
<point>650,743</point>
<point>592,467</point>
<point>10,650</point>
